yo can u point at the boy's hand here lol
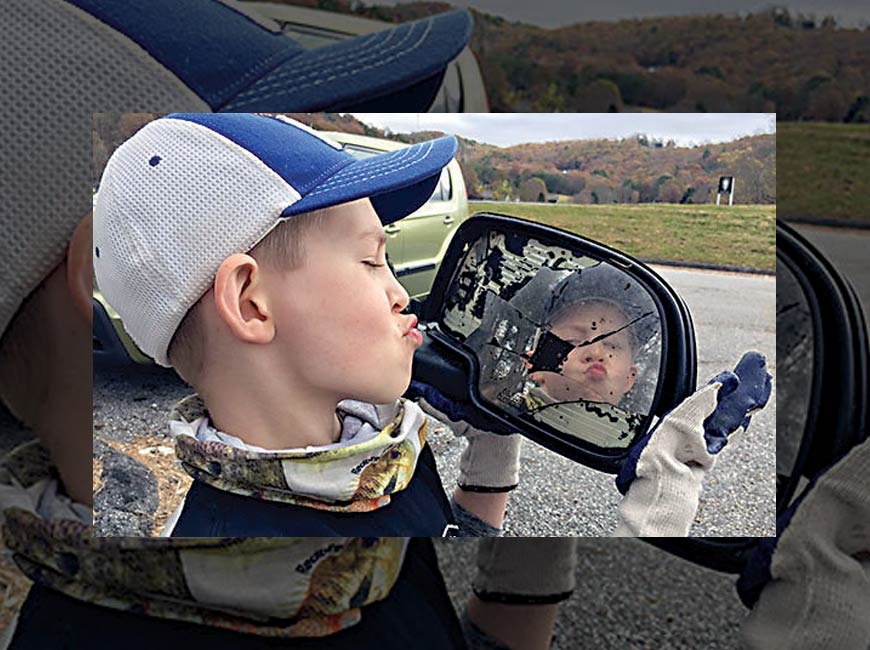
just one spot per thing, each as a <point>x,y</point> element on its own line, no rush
<point>491,461</point>
<point>809,586</point>
<point>665,470</point>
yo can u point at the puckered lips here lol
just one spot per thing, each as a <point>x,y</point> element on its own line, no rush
<point>596,371</point>
<point>412,333</point>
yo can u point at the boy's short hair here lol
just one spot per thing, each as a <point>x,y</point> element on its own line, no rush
<point>189,190</point>
<point>282,249</point>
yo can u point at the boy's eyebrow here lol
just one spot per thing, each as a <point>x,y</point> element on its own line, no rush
<point>377,235</point>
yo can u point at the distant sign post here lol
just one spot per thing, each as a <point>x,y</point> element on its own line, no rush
<point>726,186</point>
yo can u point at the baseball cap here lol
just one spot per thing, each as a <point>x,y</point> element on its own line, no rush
<point>602,283</point>
<point>50,49</point>
<point>234,61</point>
<point>190,189</point>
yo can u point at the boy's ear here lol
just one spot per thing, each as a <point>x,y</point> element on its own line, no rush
<point>80,268</point>
<point>240,299</point>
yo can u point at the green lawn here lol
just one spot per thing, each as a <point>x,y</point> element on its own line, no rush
<point>822,170</point>
<point>740,235</point>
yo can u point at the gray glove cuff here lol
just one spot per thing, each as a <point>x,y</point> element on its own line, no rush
<point>525,570</point>
<point>490,462</point>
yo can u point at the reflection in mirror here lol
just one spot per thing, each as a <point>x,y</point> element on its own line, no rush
<point>794,363</point>
<point>562,339</point>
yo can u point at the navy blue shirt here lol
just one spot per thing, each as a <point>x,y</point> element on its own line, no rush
<point>422,509</point>
<point>417,614</point>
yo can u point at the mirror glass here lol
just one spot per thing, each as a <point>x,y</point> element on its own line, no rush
<point>562,339</point>
<point>794,365</point>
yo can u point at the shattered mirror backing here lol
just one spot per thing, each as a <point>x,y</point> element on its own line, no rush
<point>561,338</point>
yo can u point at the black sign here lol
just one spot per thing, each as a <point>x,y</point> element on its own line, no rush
<point>726,183</point>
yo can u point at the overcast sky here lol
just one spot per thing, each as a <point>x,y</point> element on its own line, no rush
<point>555,13</point>
<point>506,129</point>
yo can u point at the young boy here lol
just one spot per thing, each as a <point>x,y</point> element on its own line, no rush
<point>601,328</point>
<point>600,368</point>
<point>249,252</point>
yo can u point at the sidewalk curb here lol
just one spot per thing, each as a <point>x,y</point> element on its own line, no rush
<point>709,267</point>
<point>829,222</point>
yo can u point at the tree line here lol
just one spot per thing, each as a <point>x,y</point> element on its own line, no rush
<point>631,170</point>
<point>799,66</point>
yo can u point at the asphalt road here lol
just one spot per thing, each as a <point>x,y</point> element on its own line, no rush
<point>628,595</point>
<point>556,497</point>
<point>847,251</point>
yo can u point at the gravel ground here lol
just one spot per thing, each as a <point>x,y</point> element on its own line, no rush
<point>628,595</point>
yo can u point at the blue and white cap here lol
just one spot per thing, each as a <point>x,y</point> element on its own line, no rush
<point>189,190</point>
<point>233,60</point>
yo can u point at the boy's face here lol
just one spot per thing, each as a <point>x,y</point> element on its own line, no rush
<point>339,326</point>
<point>601,371</point>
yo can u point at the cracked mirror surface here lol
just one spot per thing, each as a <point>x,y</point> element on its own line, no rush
<point>562,339</point>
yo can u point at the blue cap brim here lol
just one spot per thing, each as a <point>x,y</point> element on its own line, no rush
<point>360,69</point>
<point>398,182</point>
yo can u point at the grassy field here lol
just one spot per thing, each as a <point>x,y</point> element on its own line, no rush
<point>737,236</point>
<point>822,170</point>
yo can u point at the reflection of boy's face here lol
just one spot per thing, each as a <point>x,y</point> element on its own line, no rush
<point>338,314</point>
<point>601,371</point>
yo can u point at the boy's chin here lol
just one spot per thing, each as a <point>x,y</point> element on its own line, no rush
<point>385,395</point>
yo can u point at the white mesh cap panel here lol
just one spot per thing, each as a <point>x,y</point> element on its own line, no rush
<point>175,201</point>
<point>59,67</point>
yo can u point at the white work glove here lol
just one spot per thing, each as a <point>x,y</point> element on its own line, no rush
<point>810,586</point>
<point>490,462</point>
<point>662,477</point>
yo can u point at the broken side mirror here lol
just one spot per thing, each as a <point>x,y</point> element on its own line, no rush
<point>577,346</point>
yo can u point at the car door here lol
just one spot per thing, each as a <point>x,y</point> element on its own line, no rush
<point>426,233</point>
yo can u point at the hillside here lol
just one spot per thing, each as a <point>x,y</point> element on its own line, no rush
<point>627,171</point>
<point>823,171</point>
<point>634,170</point>
<point>797,66</point>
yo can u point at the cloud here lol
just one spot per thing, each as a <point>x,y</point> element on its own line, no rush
<point>506,129</point>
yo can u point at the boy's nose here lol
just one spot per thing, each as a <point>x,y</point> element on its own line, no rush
<point>399,298</point>
<point>593,352</point>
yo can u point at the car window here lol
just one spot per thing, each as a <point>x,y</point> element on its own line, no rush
<point>360,152</point>
<point>442,192</point>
